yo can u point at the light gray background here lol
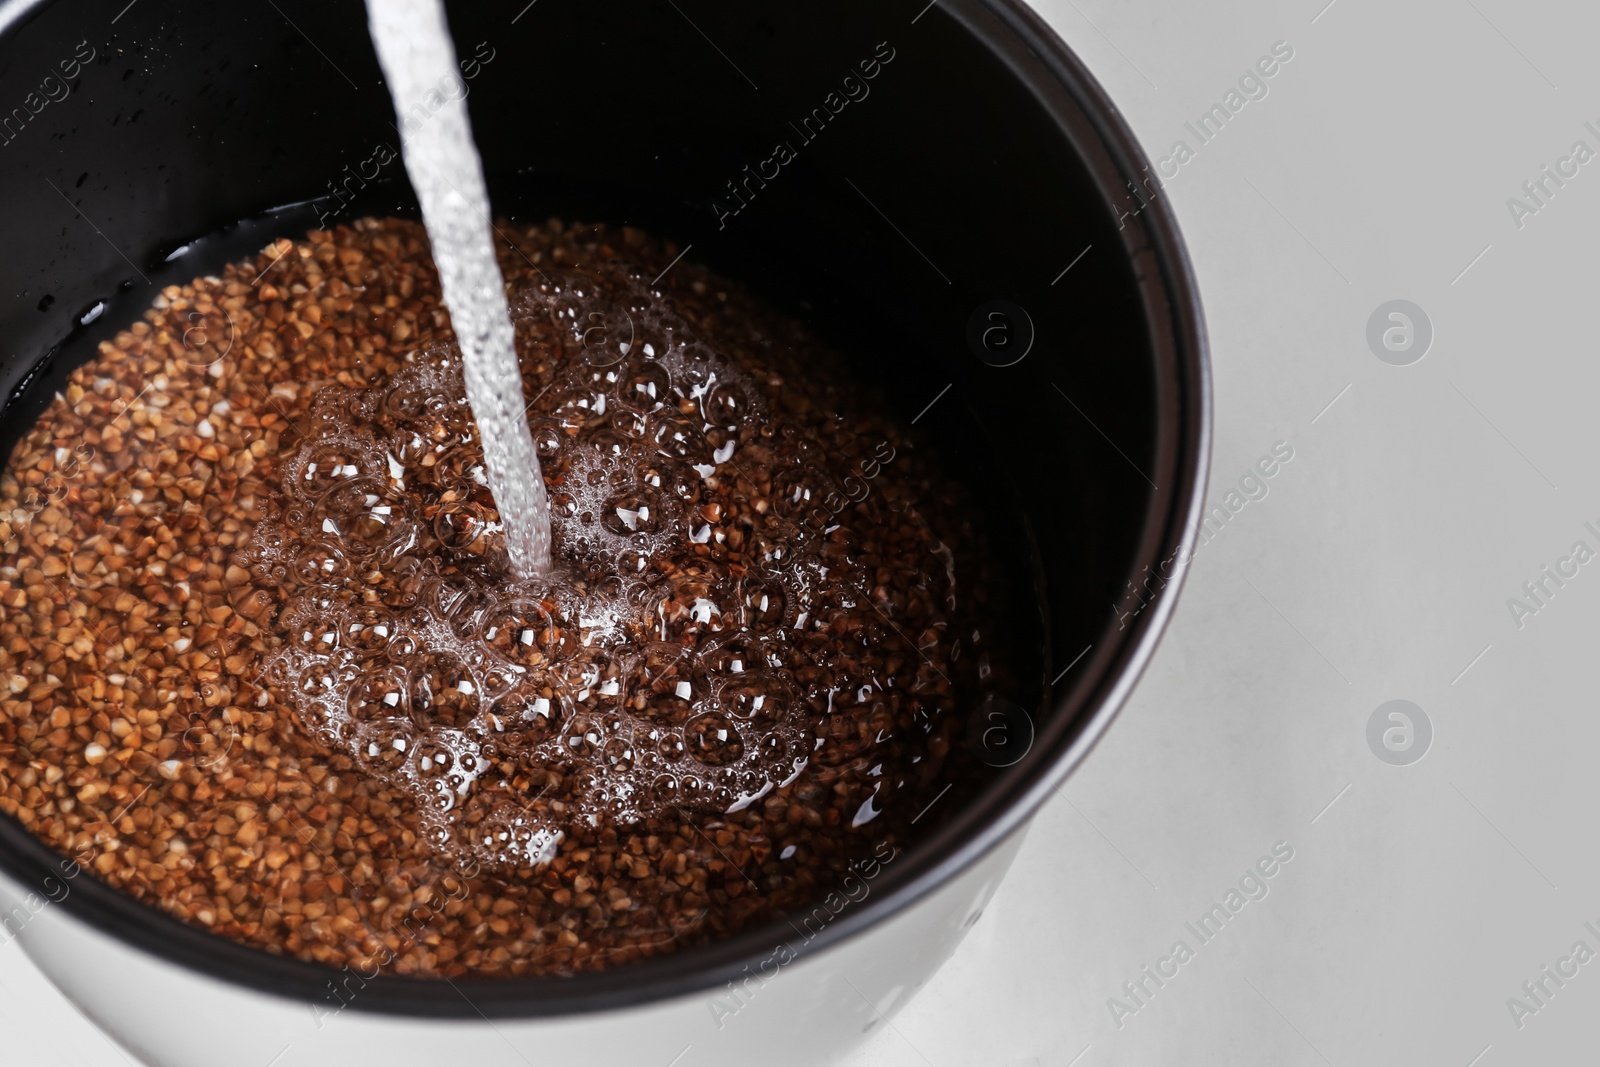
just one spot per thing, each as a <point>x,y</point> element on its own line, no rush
<point>1377,168</point>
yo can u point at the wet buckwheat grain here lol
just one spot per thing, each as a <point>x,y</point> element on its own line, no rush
<point>263,666</point>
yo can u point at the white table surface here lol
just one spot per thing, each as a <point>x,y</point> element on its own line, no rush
<point>1378,567</point>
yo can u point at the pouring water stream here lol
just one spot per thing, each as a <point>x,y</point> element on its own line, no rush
<point>418,59</point>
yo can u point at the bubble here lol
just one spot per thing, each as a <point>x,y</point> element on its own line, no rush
<point>465,608</point>
<point>768,555</point>
<point>582,736</point>
<point>577,410</point>
<point>329,466</point>
<point>563,505</point>
<point>604,332</point>
<point>609,443</point>
<point>547,437</point>
<point>796,493</point>
<point>411,449</point>
<point>670,747</point>
<point>726,405</point>
<point>379,695</point>
<point>712,739</point>
<point>676,438</point>
<point>407,400</point>
<point>772,747</point>
<point>320,562</point>
<point>498,682</point>
<point>368,631</point>
<point>801,746</point>
<point>762,603</point>
<point>757,696</point>
<point>632,563</point>
<point>407,581</point>
<point>638,511</point>
<point>687,610</point>
<point>576,676</point>
<point>318,636</point>
<point>628,424</point>
<point>460,525</point>
<point>645,385</point>
<point>611,677</point>
<point>442,691</point>
<point>525,633</point>
<point>618,754</point>
<point>698,364</point>
<point>735,654</point>
<point>665,689</point>
<point>685,485</point>
<point>363,515</point>
<point>526,720</point>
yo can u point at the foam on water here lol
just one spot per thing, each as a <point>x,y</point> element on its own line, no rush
<point>418,59</point>
<point>638,678</point>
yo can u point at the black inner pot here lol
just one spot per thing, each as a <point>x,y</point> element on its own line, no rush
<point>977,163</point>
